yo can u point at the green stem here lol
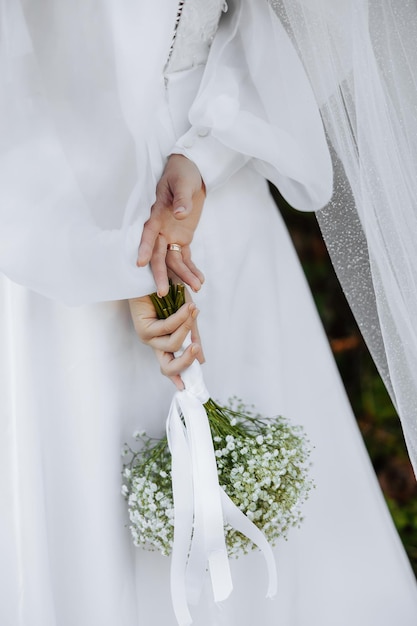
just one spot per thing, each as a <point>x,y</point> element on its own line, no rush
<point>169,304</point>
<point>218,416</point>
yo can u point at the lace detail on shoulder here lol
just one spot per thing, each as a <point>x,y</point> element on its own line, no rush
<point>195,27</point>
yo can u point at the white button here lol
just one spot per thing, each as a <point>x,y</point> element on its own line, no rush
<point>188,142</point>
<point>203,132</point>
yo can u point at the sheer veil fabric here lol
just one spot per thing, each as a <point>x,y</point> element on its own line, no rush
<point>361,60</point>
<point>81,150</point>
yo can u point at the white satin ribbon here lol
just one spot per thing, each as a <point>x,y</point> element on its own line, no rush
<point>201,507</point>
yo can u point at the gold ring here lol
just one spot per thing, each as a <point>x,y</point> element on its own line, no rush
<point>175,247</point>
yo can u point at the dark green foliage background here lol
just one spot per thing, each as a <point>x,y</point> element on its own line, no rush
<point>372,406</point>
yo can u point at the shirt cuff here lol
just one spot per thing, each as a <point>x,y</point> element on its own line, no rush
<point>216,162</point>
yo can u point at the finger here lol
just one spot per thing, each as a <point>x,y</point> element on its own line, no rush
<point>177,380</point>
<point>195,334</point>
<point>150,234</point>
<point>182,198</point>
<point>175,262</point>
<point>196,339</point>
<point>173,342</point>
<point>164,358</point>
<point>183,317</point>
<point>159,266</point>
<point>150,329</point>
<point>174,366</point>
<point>186,255</point>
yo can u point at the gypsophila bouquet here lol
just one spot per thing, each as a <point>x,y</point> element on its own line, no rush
<point>262,466</point>
<point>223,481</point>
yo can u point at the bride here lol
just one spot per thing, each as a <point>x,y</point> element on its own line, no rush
<point>95,97</point>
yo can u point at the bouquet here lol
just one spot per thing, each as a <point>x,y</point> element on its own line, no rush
<point>223,480</point>
<point>262,465</point>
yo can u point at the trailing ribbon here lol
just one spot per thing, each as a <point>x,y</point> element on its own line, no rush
<point>201,507</point>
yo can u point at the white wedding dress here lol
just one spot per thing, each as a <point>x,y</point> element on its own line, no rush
<point>76,383</point>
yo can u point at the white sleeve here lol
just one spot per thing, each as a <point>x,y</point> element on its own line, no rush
<point>76,181</point>
<point>216,162</point>
<point>49,239</point>
<point>255,102</point>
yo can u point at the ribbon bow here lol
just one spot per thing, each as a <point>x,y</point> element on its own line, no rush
<point>201,506</point>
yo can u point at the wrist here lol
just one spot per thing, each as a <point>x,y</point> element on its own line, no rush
<point>215,161</point>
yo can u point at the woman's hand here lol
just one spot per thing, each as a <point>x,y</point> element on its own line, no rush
<point>168,335</point>
<point>180,196</point>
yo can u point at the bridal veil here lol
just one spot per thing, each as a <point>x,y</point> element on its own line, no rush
<point>361,60</point>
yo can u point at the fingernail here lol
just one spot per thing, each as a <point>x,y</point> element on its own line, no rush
<point>179,209</point>
<point>194,349</point>
<point>195,313</point>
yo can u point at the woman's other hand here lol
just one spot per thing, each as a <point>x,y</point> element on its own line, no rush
<point>167,336</point>
<point>180,196</point>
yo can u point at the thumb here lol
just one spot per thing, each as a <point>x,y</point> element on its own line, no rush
<point>182,203</point>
